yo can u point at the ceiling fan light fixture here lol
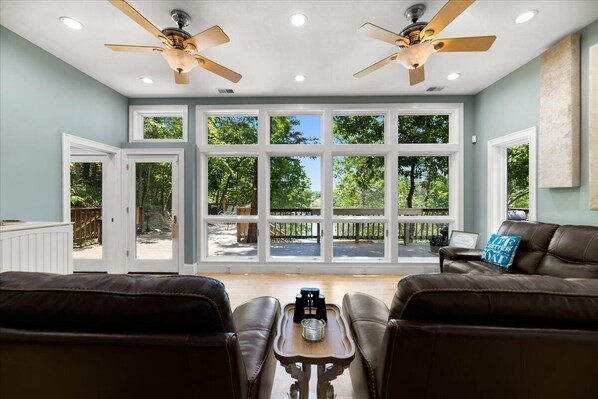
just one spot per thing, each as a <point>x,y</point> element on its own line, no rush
<point>298,19</point>
<point>146,80</point>
<point>71,23</point>
<point>299,78</point>
<point>526,16</point>
<point>416,55</point>
<point>179,60</point>
<point>453,76</point>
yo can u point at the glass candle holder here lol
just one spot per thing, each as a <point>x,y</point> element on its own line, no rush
<point>313,329</point>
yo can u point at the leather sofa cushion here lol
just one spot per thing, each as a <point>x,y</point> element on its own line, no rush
<point>113,303</point>
<point>535,239</point>
<point>473,267</point>
<point>506,300</point>
<point>256,322</point>
<point>573,252</point>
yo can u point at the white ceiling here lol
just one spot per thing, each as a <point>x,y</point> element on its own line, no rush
<point>268,51</point>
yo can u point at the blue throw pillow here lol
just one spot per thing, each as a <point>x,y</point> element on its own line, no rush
<point>500,250</point>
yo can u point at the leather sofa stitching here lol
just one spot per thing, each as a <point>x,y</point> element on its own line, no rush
<point>132,294</point>
<point>252,329</point>
<point>490,290</point>
<point>370,320</point>
<point>370,368</point>
<point>588,246</point>
<point>259,368</point>
<point>230,363</point>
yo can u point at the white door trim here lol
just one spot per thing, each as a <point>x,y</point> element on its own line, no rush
<point>154,154</point>
<point>497,176</point>
<point>111,202</point>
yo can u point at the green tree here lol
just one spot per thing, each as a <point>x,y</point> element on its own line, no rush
<point>86,184</point>
<point>163,127</point>
<point>233,180</point>
<point>359,180</point>
<point>518,176</point>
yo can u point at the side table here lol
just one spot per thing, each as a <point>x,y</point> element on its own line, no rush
<point>332,354</point>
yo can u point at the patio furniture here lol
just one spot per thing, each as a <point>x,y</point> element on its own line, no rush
<point>331,355</point>
<point>122,336</point>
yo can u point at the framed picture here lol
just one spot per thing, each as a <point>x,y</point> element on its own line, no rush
<point>463,239</point>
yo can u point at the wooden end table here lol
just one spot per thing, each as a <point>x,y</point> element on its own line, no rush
<point>332,354</point>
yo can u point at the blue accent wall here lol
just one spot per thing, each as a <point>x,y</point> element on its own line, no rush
<point>42,97</point>
<point>513,104</point>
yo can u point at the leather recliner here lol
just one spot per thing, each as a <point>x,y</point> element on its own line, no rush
<point>122,336</point>
<point>482,331</point>
<point>477,336</point>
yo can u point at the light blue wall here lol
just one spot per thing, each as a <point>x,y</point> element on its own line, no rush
<point>513,104</point>
<point>190,170</point>
<point>40,98</point>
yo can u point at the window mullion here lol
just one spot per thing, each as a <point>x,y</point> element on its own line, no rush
<point>392,190</point>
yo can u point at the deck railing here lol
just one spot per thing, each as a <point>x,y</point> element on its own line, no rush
<point>87,225</point>
<point>408,232</point>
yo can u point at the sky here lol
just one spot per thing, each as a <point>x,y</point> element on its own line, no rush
<point>310,125</point>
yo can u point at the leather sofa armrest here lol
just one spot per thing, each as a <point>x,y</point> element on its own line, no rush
<point>367,317</point>
<point>256,322</point>
<point>455,253</point>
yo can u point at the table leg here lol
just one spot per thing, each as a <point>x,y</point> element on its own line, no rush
<point>325,375</point>
<point>300,388</point>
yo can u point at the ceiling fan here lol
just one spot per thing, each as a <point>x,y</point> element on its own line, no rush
<point>181,47</point>
<point>417,41</point>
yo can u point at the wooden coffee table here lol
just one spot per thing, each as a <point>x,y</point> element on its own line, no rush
<point>332,354</point>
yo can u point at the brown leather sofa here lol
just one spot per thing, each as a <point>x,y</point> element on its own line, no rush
<point>545,249</point>
<point>482,332</point>
<point>117,336</point>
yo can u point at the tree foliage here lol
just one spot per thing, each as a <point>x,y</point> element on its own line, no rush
<point>86,184</point>
<point>518,176</point>
<point>160,127</point>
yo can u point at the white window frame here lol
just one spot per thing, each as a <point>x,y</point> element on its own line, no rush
<point>497,176</point>
<point>326,150</point>
<point>138,112</point>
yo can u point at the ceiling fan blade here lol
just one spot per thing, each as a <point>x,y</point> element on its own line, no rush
<point>218,69</point>
<point>379,33</point>
<point>478,43</point>
<point>137,17</point>
<point>133,49</point>
<point>208,38</point>
<point>416,75</point>
<point>445,16</point>
<point>181,78</point>
<point>376,66</point>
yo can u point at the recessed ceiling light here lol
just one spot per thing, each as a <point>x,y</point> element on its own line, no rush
<point>71,23</point>
<point>453,76</point>
<point>298,19</point>
<point>146,80</point>
<point>526,16</point>
<point>299,78</point>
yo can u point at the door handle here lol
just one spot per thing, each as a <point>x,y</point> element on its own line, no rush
<point>174,225</point>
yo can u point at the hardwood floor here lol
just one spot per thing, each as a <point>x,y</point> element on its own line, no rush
<point>284,287</point>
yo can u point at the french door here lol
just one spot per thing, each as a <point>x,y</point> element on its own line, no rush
<point>89,211</point>
<point>154,202</point>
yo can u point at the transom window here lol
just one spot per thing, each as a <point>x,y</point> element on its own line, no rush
<point>329,184</point>
<point>160,123</point>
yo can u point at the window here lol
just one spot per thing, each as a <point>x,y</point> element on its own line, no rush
<point>315,184</point>
<point>160,123</point>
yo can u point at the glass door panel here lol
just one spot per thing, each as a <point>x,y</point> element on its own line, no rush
<point>153,213</point>
<point>154,218</point>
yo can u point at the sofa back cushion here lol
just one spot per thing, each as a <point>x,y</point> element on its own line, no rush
<point>535,238</point>
<point>498,300</point>
<point>103,303</point>
<point>572,253</point>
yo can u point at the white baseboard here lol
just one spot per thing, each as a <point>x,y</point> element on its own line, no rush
<point>404,269</point>
<point>189,269</point>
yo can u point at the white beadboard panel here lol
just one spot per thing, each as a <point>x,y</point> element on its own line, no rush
<point>41,247</point>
